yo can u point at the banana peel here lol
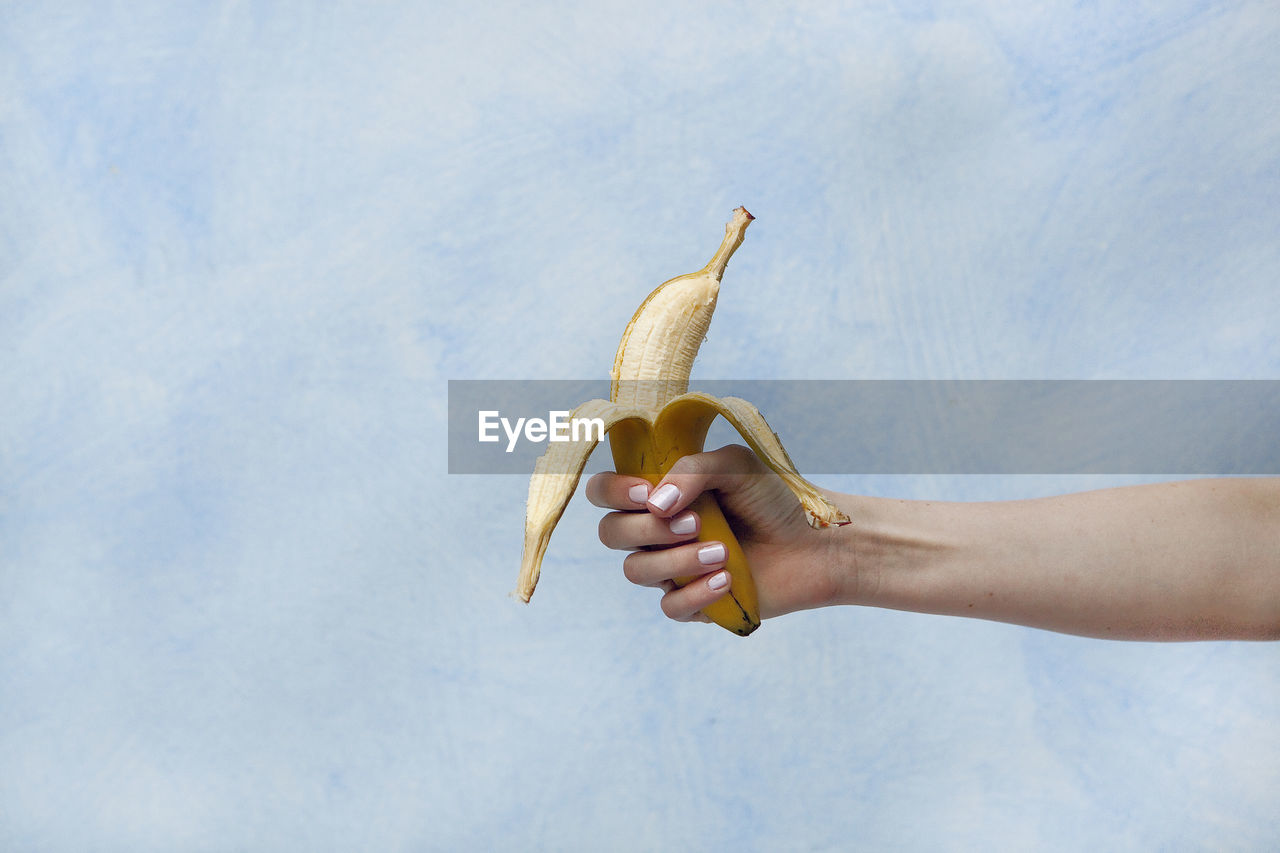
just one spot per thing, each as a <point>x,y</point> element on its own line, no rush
<point>652,421</point>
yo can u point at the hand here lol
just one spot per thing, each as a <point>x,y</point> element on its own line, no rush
<point>790,562</point>
<point>1084,563</point>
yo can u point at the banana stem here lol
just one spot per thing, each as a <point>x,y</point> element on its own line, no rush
<point>733,234</point>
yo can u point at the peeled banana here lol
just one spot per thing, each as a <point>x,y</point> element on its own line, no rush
<point>652,420</point>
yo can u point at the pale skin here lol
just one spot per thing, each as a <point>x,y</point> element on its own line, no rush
<point>1188,560</point>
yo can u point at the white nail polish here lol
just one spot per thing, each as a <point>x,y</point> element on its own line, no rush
<point>718,581</point>
<point>709,555</point>
<point>684,524</point>
<point>638,494</point>
<point>665,497</point>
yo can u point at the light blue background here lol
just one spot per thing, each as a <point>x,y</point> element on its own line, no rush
<point>243,246</point>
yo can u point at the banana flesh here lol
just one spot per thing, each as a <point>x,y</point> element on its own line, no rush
<point>652,421</point>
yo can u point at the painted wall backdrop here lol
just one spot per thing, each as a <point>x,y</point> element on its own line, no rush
<point>244,245</point>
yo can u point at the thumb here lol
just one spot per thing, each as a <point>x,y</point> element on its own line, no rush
<point>722,470</point>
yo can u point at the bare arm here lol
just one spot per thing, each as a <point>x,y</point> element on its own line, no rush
<point>1192,560</point>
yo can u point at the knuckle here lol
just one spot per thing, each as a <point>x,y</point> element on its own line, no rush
<point>687,465</point>
<point>601,489</point>
<point>632,566</point>
<point>608,530</point>
<point>739,457</point>
<point>596,486</point>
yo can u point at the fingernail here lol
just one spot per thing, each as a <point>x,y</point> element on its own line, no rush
<point>638,494</point>
<point>665,497</point>
<point>711,554</point>
<point>684,524</point>
<point>718,581</point>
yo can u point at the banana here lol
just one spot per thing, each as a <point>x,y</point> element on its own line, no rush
<point>652,420</point>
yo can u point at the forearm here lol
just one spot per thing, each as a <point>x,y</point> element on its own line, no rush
<point>1190,560</point>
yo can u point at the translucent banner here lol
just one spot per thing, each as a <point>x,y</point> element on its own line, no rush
<point>1130,427</point>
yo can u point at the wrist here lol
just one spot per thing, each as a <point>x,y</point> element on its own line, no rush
<point>848,552</point>
<point>891,555</point>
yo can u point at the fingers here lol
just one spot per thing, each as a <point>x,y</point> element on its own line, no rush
<point>653,568</point>
<point>703,561</point>
<point>668,524</point>
<point>684,604</point>
<point>617,491</point>
<point>700,472</point>
<point>668,586</point>
<point>629,531</point>
<point>689,477</point>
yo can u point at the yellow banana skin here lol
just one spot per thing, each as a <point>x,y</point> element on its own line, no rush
<point>649,451</point>
<point>652,421</point>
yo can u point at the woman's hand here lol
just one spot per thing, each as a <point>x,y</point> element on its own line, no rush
<point>790,561</point>
<point>1192,560</point>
